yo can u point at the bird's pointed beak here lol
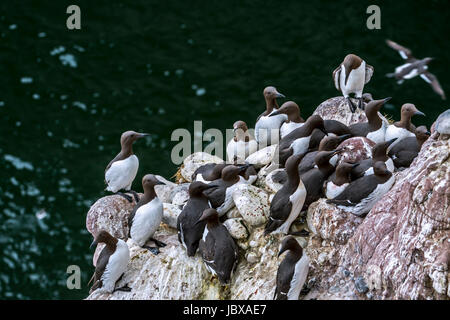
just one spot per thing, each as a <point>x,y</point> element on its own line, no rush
<point>419,113</point>
<point>345,136</point>
<point>142,135</point>
<point>93,244</point>
<point>355,165</point>
<point>387,99</point>
<point>337,151</point>
<point>389,142</point>
<point>283,249</point>
<point>279,95</point>
<point>428,133</point>
<point>275,113</point>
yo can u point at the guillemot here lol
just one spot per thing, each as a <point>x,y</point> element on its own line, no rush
<point>209,172</point>
<point>404,153</point>
<point>288,201</point>
<point>298,140</point>
<point>121,171</point>
<point>351,76</point>
<point>292,271</point>
<point>341,179</point>
<point>267,126</point>
<point>413,67</point>
<point>146,216</point>
<point>221,191</point>
<point>242,145</point>
<point>111,263</point>
<point>379,153</point>
<point>294,120</point>
<point>403,128</point>
<point>361,195</point>
<point>375,128</point>
<point>217,247</point>
<point>190,231</point>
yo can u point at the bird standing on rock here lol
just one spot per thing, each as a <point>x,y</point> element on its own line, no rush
<point>342,177</point>
<point>351,76</point>
<point>190,231</point>
<point>242,145</point>
<point>217,247</point>
<point>146,216</point>
<point>111,263</point>
<point>375,128</point>
<point>413,68</point>
<point>288,201</point>
<point>294,120</point>
<point>121,171</point>
<point>266,126</point>
<point>292,272</point>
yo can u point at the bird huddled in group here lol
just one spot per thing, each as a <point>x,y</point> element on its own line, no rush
<point>309,153</point>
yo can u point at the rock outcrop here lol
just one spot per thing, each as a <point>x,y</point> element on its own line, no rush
<point>400,250</point>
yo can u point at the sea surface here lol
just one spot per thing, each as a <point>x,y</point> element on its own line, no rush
<point>155,66</point>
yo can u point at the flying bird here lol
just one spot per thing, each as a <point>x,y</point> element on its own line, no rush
<point>414,67</point>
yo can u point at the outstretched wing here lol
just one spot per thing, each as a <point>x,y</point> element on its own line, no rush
<point>369,73</point>
<point>336,77</point>
<point>404,52</point>
<point>434,83</point>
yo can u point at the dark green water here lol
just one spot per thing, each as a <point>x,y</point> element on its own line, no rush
<point>155,66</point>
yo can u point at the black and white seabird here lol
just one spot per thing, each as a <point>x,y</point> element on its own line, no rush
<point>209,172</point>
<point>217,247</point>
<point>220,194</point>
<point>288,201</point>
<point>297,142</point>
<point>404,153</point>
<point>146,216</point>
<point>314,179</point>
<point>242,145</point>
<point>403,128</point>
<point>361,195</point>
<point>414,67</point>
<point>294,120</point>
<point>340,180</point>
<point>111,263</point>
<point>351,76</point>
<point>267,128</point>
<point>121,171</point>
<point>375,128</point>
<point>190,231</point>
<point>292,271</point>
<point>379,153</point>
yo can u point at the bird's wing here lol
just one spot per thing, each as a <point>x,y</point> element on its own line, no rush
<point>434,83</point>
<point>354,192</point>
<point>404,52</point>
<point>369,72</point>
<point>336,76</point>
<point>100,267</point>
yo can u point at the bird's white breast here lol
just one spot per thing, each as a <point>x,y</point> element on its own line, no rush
<point>121,174</point>
<point>393,131</point>
<point>355,81</point>
<point>299,277</point>
<point>288,127</point>
<point>265,125</point>
<point>378,135</point>
<point>297,200</point>
<point>241,150</point>
<point>300,145</point>
<point>146,221</point>
<point>116,266</point>
<point>333,190</point>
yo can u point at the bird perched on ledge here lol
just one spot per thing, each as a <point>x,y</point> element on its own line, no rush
<point>121,171</point>
<point>413,68</point>
<point>242,145</point>
<point>351,76</point>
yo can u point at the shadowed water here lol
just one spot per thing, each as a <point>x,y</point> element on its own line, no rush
<point>154,66</point>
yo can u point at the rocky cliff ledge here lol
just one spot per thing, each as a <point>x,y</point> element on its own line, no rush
<point>400,250</point>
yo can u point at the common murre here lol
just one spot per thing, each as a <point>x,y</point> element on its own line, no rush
<point>111,263</point>
<point>404,153</point>
<point>242,145</point>
<point>414,67</point>
<point>340,180</point>
<point>217,247</point>
<point>403,128</point>
<point>121,171</point>
<point>292,271</point>
<point>361,195</point>
<point>146,216</point>
<point>288,201</point>
<point>190,231</point>
<point>351,76</point>
<point>267,126</point>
